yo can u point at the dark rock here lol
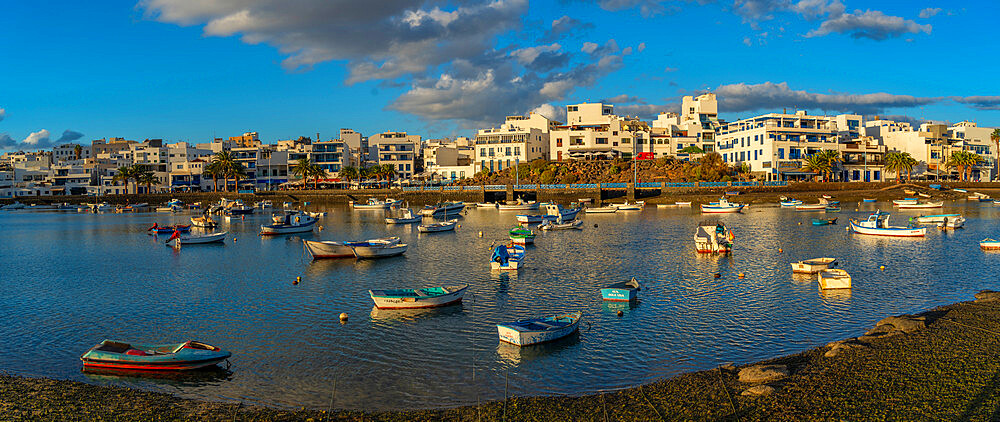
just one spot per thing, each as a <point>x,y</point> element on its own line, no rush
<point>987,296</point>
<point>904,323</point>
<point>760,390</point>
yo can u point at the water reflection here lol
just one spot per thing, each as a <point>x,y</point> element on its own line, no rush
<point>516,355</point>
<point>389,315</point>
<point>196,378</point>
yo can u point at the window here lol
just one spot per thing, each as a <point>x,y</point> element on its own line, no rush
<point>407,167</point>
<point>571,108</point>
<point>602,141</point>
<point>400,167</point>
<point>491,152</point>
<point>482,152</point>
<point>878,175</point>
<point>559,142</point>
<point>508,151</point>
<point>517,150</point>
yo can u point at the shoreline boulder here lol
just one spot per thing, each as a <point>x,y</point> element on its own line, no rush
<point>904,323</point>
<point>987,296</point>
<point>763,373</point>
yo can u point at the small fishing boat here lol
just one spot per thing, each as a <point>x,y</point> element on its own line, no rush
<point>438,227</point>
<point>507,257</point>
<point>375,204</point>
<point>291,222</point>
<point>286,204</point>
<point>429,297</point>
<point>265,205</point>
<point>521,235</point>
<point>904,201</point>
<point>629,207</point>
<point>723,206</point>
<point>834,279</point>
<point>486,205</point>
<point>626,291</point>
<point>788,203</point>
<point>868,200</point>
<point>529,218</point>
<point>378,250</point>
<point>826,197</point>
<point>237,208</point>
<point>823,221</point>
<point>923,195</point>
<point>960,190</point>
<point>442,209</point>
<point>877,224</point>
<point>938,204</point>
<point>314,214</point>
<point>909,191</point>
<point>989,244</point>
<point>170,208</point>
<point>158,229</point>
<point>196,238</point>
<point>601,210</point>
<point>832,208</point>
<point>518,205</point>
<point>322,249</point>
<point>812,266</point>
<point>951,223</point>
<point>153,357</point>
<point>526,332</point>
<point>683,203</point>
<point>405,216</point>
<point>996,202</point>
<point>811,207</point>
<point>713,237</point>
<point>556,211</point>
<point>13,206</point>
<point>936,218</point>
<point>551,225</point>
<point>175,201</point>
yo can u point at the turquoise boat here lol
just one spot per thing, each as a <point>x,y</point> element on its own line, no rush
<point>824,221</point>
<point>626,291</point>
<point>185,356</point>
<point>832,209</point>
<point>522,235</point>
<point>868,200</point>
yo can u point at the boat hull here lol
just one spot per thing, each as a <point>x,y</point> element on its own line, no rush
<point>509,334</point>
<point>613,294</point>
<point>834,279</point>
<point>368,252</point>
<point>328,249</point>
<point>403,220</point>
<point>196,240</point>
<point>166,357</point>
<point>891,232</point>
<point>812,266</point>
<point>709,209</point>
<point>273,229</point>
<point>416,301</point>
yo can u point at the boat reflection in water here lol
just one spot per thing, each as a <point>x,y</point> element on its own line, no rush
<point>613,307</point>
<point>380,315</point>
<point>193,378</point>
<point>835,295</point>
<point>516,355</point>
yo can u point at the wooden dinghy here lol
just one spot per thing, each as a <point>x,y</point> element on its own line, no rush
<point>812,266</point>
<point>526,332</point>
<point>430,297</point>
<point>437,227</point>
<point>626,291</point>
<point>834,279</point>
<point>153,357</point>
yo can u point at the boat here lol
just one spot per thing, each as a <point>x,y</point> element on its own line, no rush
<point>601,210</point>
<point>788,203</point>
<point>438,227</point>
<point>13,206</point>
<point>936,218</point>
<point>405,216</point>
<point>518,205</point>
<point>826,196</point>
<point>429,297</point>
<point>316,214</point>
<point>170,208</point>
<point>486,204</point>
<point>909,191</point>
<point>287,204</point>
<point>291,222</point>
<point>158,229</point>
<point>237,208</point>
<point>823,221</point>
<point>175,202</point>
<point>877,224</point>
<point>868,200</point>
<point>629,207</point>
<point>521,235</point>
<point>834,279</point>
<point>904,201</point>
<point>529,218</point>
<point>951,223</point>
<point>832,208</point>
<point>683,203</point>
<point>812,266</point>
<point>723,206</point>
<point>507,257</point>
<point>204,222</point>
<point>196,238</point>
<point>713,237</point>
<point>526,332</point>
<point>823,204</point>
<point>552,225</point>
<point>264,205</point>
<point>378,250</point>
<point>153,357</point>
<point>626,291</point>
<point>321,249</point>
<point>938,204</point>
<point>989,244</point>
<point>556,211</point>
<point>442,209</point>
<point>375,204</point>
<point>960,190</point>
<point>923,195</point>
<point>996,202</point>
<point>135,207</point>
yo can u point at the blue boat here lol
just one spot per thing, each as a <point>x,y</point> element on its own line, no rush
<point>153,357</point>
<point>868,200</point>
<point>823,221</point>
<point>625,291</point>
<point>157,229</point>
<point>937,187</point>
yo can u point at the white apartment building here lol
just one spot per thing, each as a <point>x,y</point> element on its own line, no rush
<point>67,152</point>
<point>396,149</point>
<point>775,145</point>
<point>932,144</point>
<point>592,130</point>
<point>445,159</point>
<point>519,139</point>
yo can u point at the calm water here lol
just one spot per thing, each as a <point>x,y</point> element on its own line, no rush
<point>70,280</point>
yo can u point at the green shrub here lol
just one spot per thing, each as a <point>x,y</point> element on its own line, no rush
<point>569,178</point>
<point>547,177</point>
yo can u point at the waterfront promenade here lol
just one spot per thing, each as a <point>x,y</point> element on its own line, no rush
<point>937,365</point>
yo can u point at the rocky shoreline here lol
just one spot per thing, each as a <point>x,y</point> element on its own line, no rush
<point>938,364</point>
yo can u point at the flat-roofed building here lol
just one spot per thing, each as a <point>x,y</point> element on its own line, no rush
<point>397,149</point>
<point>519,139</point>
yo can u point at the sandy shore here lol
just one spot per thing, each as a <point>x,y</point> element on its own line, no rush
<point>940,364</point>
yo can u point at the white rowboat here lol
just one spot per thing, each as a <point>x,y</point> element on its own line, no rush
<point>834,279</point>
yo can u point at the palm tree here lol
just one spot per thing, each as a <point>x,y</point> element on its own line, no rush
<point>223,163</point>
<point>317,172</point>
<point>213,170</point>
<point>236,170</point>
<point>78,150</point>
<point>124,174</point>
<point>389,171</point>
<point>899,162</point>
<point>964,161</point>
<point>301,169</point>
<point>147,178</point>
<point>995,137</point>
<point>349,173</point>
<point>831,157</point>
<point>817,163</point>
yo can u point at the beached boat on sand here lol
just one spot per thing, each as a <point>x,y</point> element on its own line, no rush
<point>153,357</point>
<point>429,297</point>
<point>526,332</point>
<point>834,279</point>
<point>812,266</point>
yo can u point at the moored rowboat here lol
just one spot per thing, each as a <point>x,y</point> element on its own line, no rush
<point>430,297</point>
<point>989,244</point>
<point>812,266</point>
<point>834,279</point>
<point>526,332</point>
<point>342,249</point>
<point>625,291</point>
<point>153,357</point>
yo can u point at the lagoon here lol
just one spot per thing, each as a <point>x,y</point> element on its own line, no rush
<point>71,280</point>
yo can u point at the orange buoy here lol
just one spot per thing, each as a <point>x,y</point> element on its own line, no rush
<point>297,280</point>
<point>780,250</point>
<point>742,275</point>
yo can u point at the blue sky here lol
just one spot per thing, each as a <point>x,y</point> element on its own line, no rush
<point>194,69</point>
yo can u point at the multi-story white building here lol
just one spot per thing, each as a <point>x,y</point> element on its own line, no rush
<point>398,150</point>
<point>519,139</point>
<point>592,130</point>
<point>67,152</point>
<point>446,159</point>
<point>932,144</point>
<point>775,145</point>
